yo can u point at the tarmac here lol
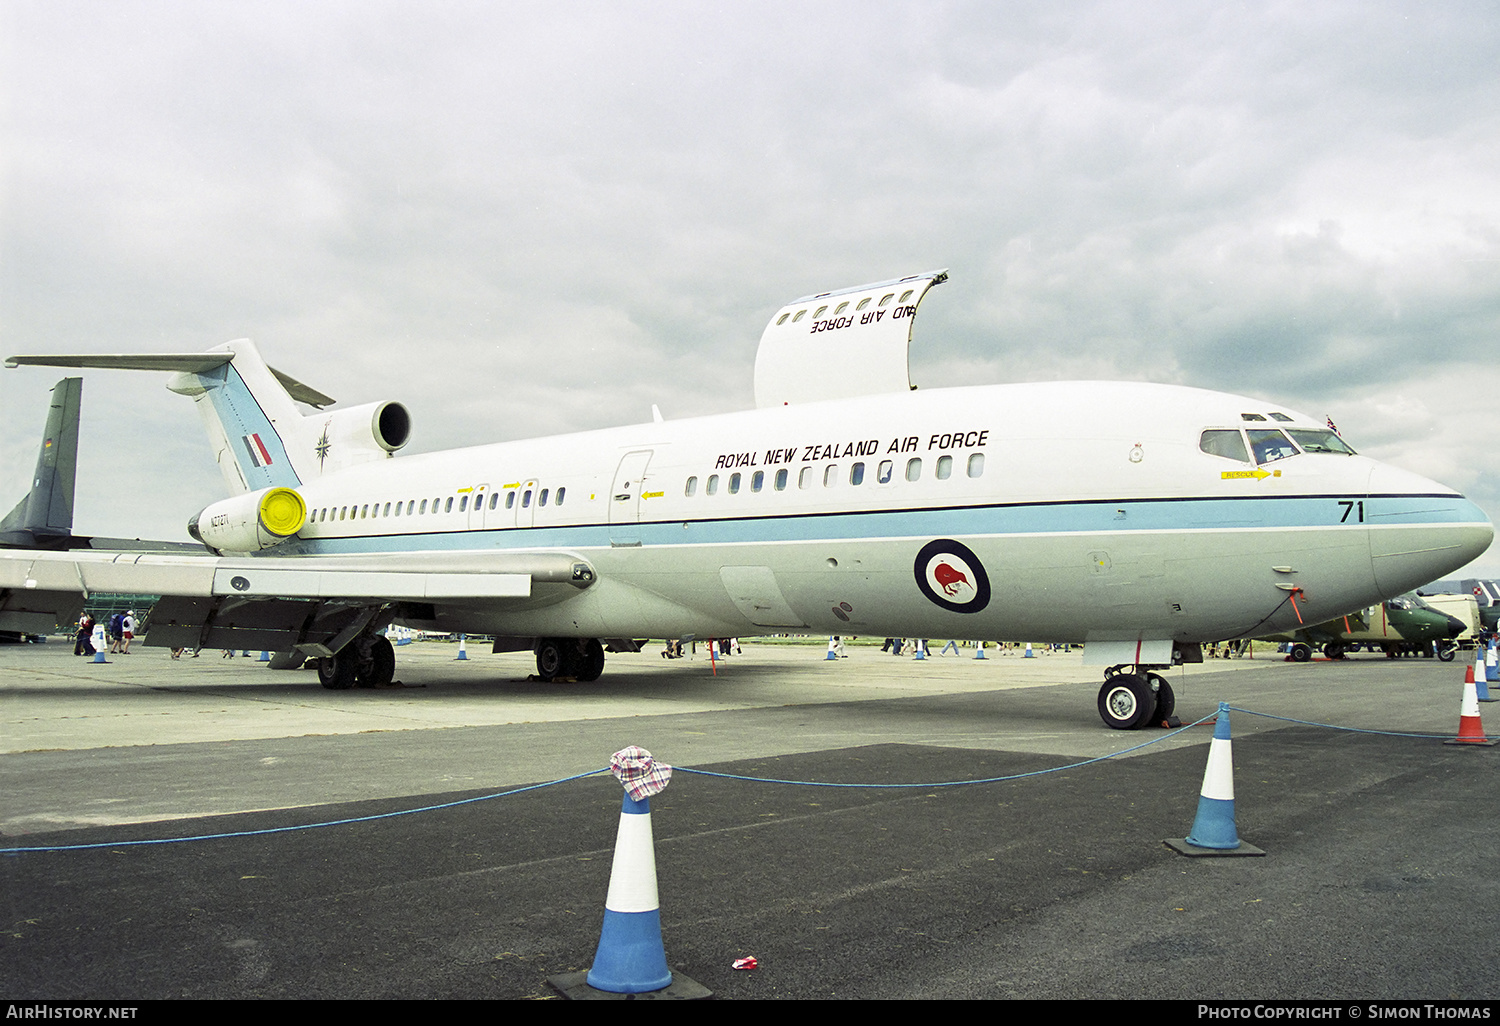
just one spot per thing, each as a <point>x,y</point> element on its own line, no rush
<point>1057,885</point>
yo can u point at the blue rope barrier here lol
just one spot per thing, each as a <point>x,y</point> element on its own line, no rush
<point>725,776</point>
<point>308,826</point>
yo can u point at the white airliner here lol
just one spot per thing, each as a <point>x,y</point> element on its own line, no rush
<point>1139,519</point>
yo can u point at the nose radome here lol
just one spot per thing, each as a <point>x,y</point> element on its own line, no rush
<point>1420,530</point>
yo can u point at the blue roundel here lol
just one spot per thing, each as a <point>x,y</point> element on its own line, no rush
<point>951,575</point>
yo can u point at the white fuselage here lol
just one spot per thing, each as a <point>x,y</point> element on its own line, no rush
<point>1088,508</point>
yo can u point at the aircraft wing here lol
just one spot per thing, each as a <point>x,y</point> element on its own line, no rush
<point>310,603</point>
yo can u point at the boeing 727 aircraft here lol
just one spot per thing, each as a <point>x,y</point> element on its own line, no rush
<point>1139,519</point>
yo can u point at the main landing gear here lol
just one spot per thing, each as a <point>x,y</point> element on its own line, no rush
<point>580,659</point>
<point>369,661</point>
<point>1131,701</point>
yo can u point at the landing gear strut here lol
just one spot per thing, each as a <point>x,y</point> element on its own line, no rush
<point>1131,701</point>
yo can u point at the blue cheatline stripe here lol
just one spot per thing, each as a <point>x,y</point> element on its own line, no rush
<point>1098,516</point>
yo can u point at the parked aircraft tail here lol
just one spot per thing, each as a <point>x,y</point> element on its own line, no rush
<point>44,518</point>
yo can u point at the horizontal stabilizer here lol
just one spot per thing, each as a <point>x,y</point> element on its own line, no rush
<point>188,363</point>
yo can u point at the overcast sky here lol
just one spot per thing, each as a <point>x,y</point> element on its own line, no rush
<point>523,219</point>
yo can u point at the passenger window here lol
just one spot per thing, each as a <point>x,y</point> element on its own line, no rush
<point>448,506</point>
<point>781,476</point>
<point>510,500</point>
<point>830,475</point>
<point>913,470</point>
<point>1270,446</point>
<point>857,474</point>
<point>819,311</point>
<point>560,493</point>
<point>757,480</point>
<point>424,505</point>
<point>526,499</point>
<point>862,304</point>
<point>494,499</point>
<point>463,503</point>
<point>734,484</point>
<point>841,308</point>
<point>782,319</point>
<point>944,467</point>
<point>805,478</point>
<point>541,500</point>
<point>387,510</point>
<point>800,314</point>
<point>906,295</point>
<point>976,464</point>
<point>1227,444</point>
<point>887,298</point>
<point>713,484</point>
<point>691,488</point>
<point>883,475</point>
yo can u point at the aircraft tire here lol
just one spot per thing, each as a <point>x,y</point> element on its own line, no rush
<point>551,659</point>
<point>336,672</point>
<point>590,660</point>
<point>1446,650</point>
<point>381,669</point>
<point>1333,650</point>
<point>1301,653</point>
<point>1166,698</point>
<point>1126,702</point>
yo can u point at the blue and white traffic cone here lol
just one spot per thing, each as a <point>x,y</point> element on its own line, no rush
<point>264,657</point>
<point>99,655</point>
<point>1491,663</point>
<point>979,650</point>
<point>1214,830</point>
<point>631,958</point>
<point>1214,825</point>
<point>463,650</point>
<point>832,648</point>
<point>1029,653</point>
<point>921,649</point>
<point>1476,674</point>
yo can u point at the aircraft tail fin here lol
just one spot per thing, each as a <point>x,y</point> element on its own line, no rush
<point>258,435</point>
<point>46,513</point>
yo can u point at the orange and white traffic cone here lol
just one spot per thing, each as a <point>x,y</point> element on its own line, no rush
<point>1470,730</point>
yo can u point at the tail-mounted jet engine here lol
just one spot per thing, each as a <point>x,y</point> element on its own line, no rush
<point>343,438</point>
<point>246,523</point>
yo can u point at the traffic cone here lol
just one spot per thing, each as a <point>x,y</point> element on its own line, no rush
<point>979,650</point>
<point>463,649</point>
<point>264,657</point>
<point>921,649</point>
<point>1491,664</point>
<point>99,656</point>
<point>631,958</point>
<point>1470,730</point>
<point>1029,653</point>
<point>1214,831</point>
<point>1476,674</point>
<point>832,648</point>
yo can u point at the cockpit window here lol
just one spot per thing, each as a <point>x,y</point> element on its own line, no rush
<point>1281,417</point>
<point>1319,440</point>
<point>1228,444</point>
<point>1270,446</point>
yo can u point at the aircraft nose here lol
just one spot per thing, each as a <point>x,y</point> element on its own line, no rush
<point>1419,529</point>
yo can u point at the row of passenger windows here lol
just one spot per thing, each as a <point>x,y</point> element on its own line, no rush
<point>413,508</point>
<point>884,300</point>
<point>1270,444</point>
<point>807,476</point>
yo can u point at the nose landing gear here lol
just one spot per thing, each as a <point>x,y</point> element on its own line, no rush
<point>1132,701</point>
